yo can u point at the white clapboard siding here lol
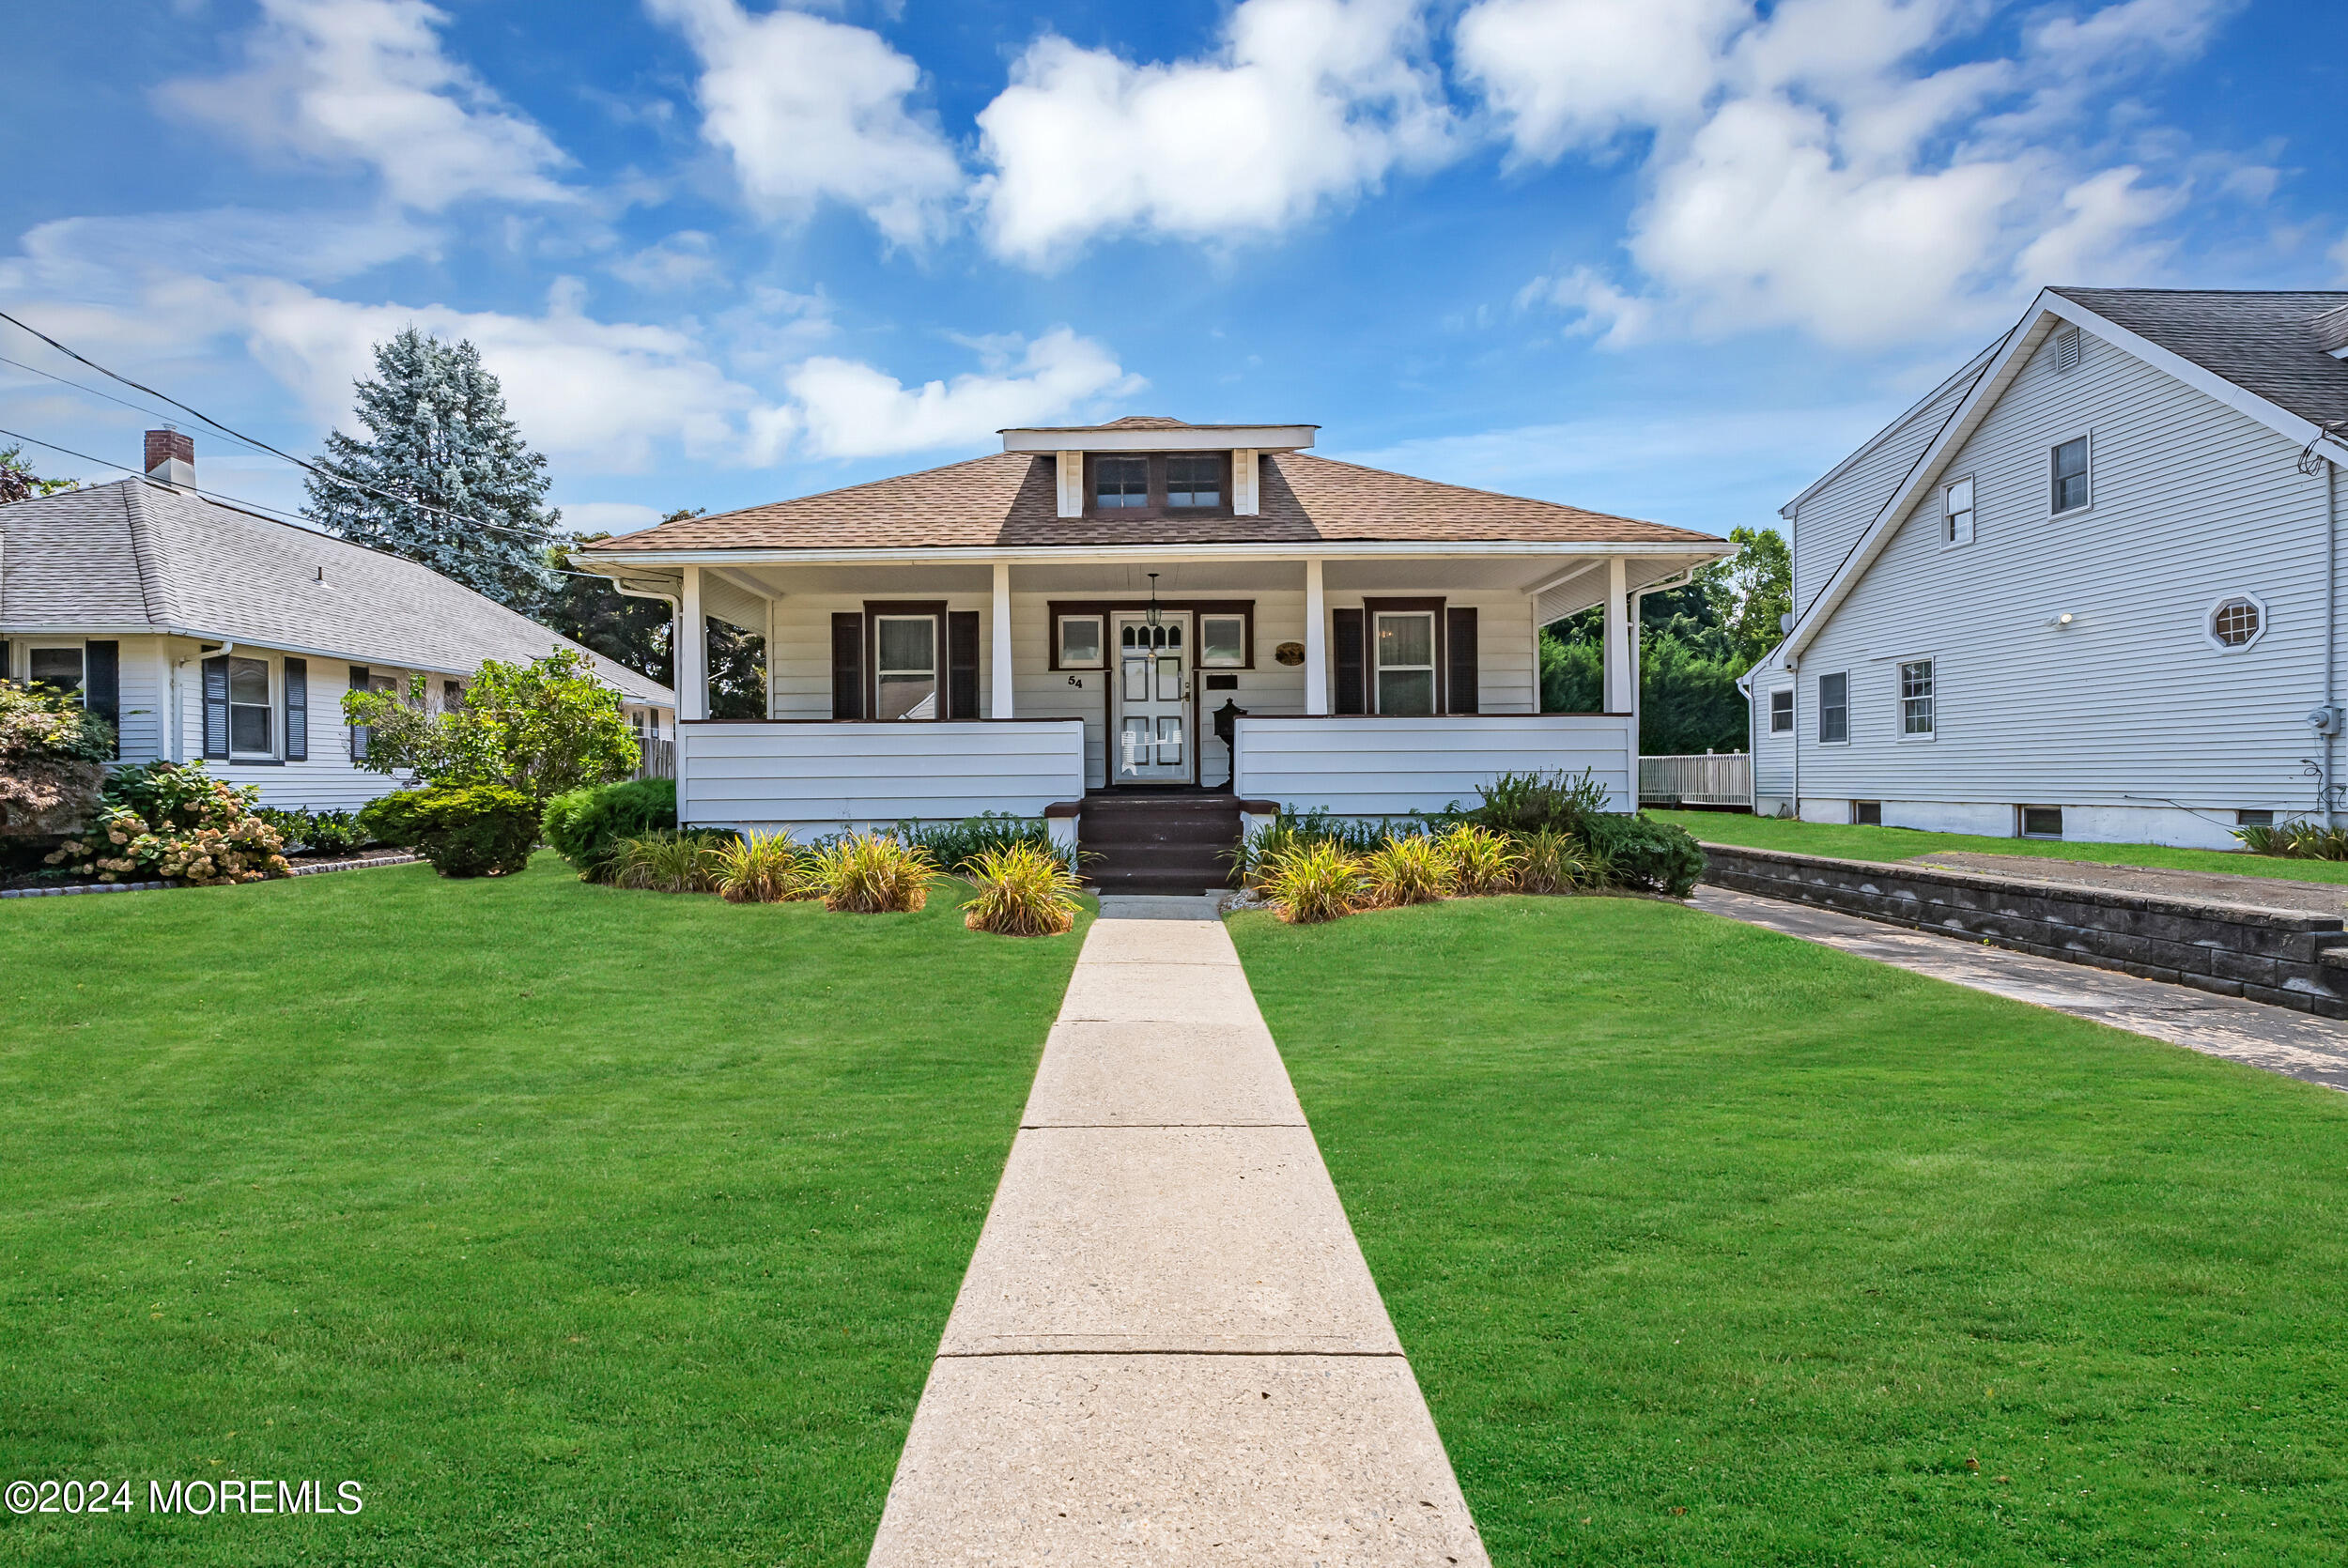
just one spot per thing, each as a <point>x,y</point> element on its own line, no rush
<point>2129,707</point>
<point>326,782</point>
<point>1389,767</point>
<point>822,778</point>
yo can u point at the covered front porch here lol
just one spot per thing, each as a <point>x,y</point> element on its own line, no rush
<point>1364,682</point>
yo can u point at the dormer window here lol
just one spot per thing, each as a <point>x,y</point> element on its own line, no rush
<point>1121,482</point>
<point>1193,481</point>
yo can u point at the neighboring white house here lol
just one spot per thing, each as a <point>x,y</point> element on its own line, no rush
<point>1069,615</point>
<point>2089,588</point>
<point>203,630</point>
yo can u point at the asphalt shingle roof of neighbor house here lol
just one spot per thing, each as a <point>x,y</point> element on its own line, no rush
<point>1011,498</point>
<point>2271,344</point>
<point>117,556</point>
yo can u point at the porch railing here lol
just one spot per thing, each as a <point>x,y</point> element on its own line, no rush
<point>1372,766</point>
<point>1715,778</point>
<point>660,760</point>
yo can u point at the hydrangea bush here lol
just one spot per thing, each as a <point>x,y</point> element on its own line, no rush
<point>169,822</point>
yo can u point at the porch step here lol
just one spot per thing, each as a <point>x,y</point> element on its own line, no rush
<point>1157,843</point>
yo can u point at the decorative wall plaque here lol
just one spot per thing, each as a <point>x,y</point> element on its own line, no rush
<point>1289,653</point>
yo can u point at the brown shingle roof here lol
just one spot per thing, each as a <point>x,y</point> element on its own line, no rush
<point>1008,498</point>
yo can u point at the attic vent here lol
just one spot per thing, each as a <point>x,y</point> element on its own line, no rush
<point>2067,350</point>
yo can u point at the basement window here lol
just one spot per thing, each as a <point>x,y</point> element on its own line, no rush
<point>1867,813</point>
<point>2041,821</point>
<point>2254,819</point>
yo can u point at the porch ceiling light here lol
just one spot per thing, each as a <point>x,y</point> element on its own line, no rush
<point>1153,616</point>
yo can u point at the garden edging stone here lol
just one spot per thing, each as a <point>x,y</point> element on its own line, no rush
<point>368,864</point>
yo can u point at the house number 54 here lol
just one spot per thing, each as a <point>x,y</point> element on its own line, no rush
<point>1076,681</point>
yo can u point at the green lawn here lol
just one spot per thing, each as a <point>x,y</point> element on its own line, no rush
<point>1904,843</point>
<point>580,1226</point>
<point>1710,1246</point>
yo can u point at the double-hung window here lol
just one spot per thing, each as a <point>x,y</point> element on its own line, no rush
<point>1956,507</point>
<point>1193,481</point>
<point>1916,697</point>
<point>251,716</point>
<point>905,666</point>
<point>2068,475</point>
<point>1406,661</point>
<point>1120,483</point>
<point>1833,709</point>
<point>1223,641</point>
<point>59,669</point>
<point>1782,712</point>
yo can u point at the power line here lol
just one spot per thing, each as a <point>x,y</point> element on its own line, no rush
<point>217,497</point>
<point>233,434</point>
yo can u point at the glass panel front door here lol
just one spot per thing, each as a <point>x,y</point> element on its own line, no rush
<point>1150,740</point>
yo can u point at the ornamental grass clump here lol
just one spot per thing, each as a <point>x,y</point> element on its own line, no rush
<point>1407,869</point>
<point>869,874</point>
<point>664,863</point>
<point>760,869</point>
<point>1482,862</point>
<point>1313,882</point>
<point>1553,863</point>
<point>1024,890</point>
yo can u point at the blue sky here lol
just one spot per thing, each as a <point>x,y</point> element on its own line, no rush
<point>1670,258</point>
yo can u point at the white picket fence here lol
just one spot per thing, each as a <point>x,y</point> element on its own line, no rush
<point>1714,778</point>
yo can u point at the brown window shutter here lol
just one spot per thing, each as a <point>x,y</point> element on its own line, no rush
<point>1347,624</point>
<point>962,664</point>
<point>848,665</point>
<point>1460,652</point>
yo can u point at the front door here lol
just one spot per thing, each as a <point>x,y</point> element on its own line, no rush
<point>1149,743</point>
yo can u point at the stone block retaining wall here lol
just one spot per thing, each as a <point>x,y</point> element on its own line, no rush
<point>2276,956</point>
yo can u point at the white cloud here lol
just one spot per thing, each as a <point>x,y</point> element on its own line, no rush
<point>1805,170</point>
<point>1564,73</point>
<point>853,410</point>
<point>677,261</point>
<point>1307,102</point>
<point>596,396</point>
<point>811,110</point>
<point>366,81</point>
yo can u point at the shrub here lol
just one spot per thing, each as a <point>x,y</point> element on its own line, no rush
<point>759,869</point>
<point>1641,853</point>
<point>543,728</point>
<point>391,818</point>
<point>1482,861</point>
<point>176,823</point>
<point>53,757</point>
<point>585,825</point>
<point>2297,841</point>
<point>479,830</point>
<point>871,873</point>
<point>1525,803</point>
<point>1024,890</point>
<point>665,863</point>
<point>957,846</point>
<point>1252,857</point>
<point>1314,882</point>
<point>1408,869</point>
<point>1553,862</point>
<point>332,833</point>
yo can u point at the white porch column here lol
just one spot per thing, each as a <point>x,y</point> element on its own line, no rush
<point>692,650</point>
<point>1002,682</point>
<point>1316,641</point>
<point>1621,674</point>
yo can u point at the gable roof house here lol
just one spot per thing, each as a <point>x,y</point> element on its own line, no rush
<point>2089,588</point>
<point>1146,610</point>
<point>207,631</point>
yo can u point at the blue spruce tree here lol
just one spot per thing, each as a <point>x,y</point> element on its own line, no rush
<point>438,435</point>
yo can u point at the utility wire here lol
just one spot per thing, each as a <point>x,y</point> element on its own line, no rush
<point>233,434</point>
<point>237,503</point>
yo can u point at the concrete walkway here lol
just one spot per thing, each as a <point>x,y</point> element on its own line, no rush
<point>1167,1348</point>
<point>2276,1039</point>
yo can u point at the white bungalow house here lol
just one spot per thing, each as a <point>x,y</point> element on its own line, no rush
<point>204,631</point>
<point>1087,616</point>
<point>2089,588</point>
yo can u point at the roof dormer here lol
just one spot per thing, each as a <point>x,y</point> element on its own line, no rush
<point>1154,438</point>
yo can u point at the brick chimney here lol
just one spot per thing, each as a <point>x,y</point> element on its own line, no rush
<point>171,458</point>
